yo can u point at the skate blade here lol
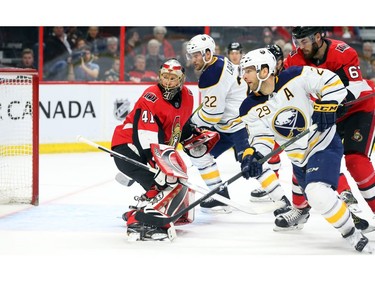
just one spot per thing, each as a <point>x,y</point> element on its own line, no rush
<point>370,228</point>
<point>217,210</point>
<point>172,235</point>
<point>133,237</point>
<point>354,208</point>
<point>283,229</point>
<point>260,199</point>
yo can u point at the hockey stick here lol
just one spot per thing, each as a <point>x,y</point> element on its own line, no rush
<point>250,209</point>
<point>147,216</point>
<point>350,103</point>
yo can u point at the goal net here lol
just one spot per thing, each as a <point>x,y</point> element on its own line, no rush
<point>19,136</point>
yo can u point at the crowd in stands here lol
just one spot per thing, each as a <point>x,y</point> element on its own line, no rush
<point>94,53</point>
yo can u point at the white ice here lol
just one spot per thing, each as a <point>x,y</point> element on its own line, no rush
<point>77,232</point>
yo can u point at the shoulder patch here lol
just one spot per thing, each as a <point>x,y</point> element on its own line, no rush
<point>150,96</point>
<point>342,47</point>
<point>293,52</point>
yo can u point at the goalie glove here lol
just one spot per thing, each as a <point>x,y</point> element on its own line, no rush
<point>250,167</point>
<point>324,114</point>
<point>200,142</point>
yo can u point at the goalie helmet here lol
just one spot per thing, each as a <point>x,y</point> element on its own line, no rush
<point>200,43</point>
<point>171,84</point>
<point>257,58</point>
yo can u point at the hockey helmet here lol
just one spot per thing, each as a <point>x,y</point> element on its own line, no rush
<point>200,43</point>
<point>299,32</point>
<point>276,51</point>
<point>234,46</point>
<point>257,58</point>
<point>171,66</point>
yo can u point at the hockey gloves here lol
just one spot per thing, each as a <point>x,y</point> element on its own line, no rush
<point>324,114</point>
<point>250,167</point>
<point>200,142</point>
<point>164,180</point>
<point>171,168</point>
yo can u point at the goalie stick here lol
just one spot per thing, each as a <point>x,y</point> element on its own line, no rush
<point>148,217</point>
<point>250,209</point>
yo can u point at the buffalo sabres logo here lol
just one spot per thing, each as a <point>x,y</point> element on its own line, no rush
<point>289,122</point>
<point>121,109</point>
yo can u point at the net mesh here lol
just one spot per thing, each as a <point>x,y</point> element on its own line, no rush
<point>16,138</point>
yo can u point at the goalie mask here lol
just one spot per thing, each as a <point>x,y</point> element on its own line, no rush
<point>171,78</point>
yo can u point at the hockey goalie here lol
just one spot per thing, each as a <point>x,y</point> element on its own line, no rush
<point>149,135</point>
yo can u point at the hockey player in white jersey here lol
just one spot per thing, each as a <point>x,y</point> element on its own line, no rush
<point>223,91</point>
<point>280,108</point>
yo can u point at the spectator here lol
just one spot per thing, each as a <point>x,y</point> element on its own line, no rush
<point>27,59</point>
<point>106,59</point>
<point>191,75</point>
<point>113,74</point>
<point>85,69</point>
<point>365,59</point>
<point>153,58</point>
<point>139,72</point>
<point>166,48</point>
<point>95,40</point>
<point>287,49</point>
<point>281,43</point>
<point>132,48</point>
<point>217,50</point>
<point>73,35</point>
<point>267,37</point>
<point>372,75</point>
<point>56,54</point>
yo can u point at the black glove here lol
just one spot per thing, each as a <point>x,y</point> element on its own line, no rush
<point>341,110</point>
<point>324,114</point>
<point>250,167</point>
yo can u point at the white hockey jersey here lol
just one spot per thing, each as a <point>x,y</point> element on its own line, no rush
<point>223,91</point>
<point>287,112</point>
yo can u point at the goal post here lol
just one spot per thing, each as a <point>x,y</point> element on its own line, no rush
<point>19,136</point>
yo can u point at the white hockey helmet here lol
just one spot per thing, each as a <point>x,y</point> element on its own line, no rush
<point>200,43</point>
<point>171,66</point>
<point>257,58</point>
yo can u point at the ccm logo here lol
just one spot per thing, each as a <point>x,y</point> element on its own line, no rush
<point>314,169</point>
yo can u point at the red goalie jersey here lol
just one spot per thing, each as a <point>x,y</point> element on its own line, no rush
<point>343,60</point>
<point>155,120</point>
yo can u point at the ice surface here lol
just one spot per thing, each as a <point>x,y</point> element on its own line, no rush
<point>77,233</point>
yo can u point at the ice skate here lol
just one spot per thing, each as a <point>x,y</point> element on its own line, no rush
<point>259,195</point>
<point>357,240</point>
<point>283,209</point>
<point>292,220</point>
<point>144,232</point>
<point>211,205</point>
<point>352,203</point>
<point>362,224</point>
